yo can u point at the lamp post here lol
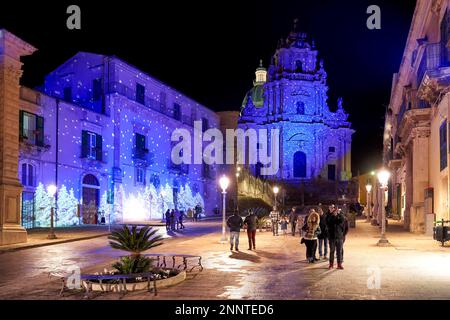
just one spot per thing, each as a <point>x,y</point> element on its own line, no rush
<point>163,194</point>
<point>275,192</point>
<point>51,190</point>
<point>383,177</point>
<point>224,182</point>
<point>238,173</point>
<point>369,201</point>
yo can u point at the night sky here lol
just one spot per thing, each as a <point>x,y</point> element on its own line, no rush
<point>209,50</point>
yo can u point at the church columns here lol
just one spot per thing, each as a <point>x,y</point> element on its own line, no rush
<point>11,49</point>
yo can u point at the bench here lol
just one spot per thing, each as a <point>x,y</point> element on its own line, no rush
<point>162,262</point>
<point>103,279</point>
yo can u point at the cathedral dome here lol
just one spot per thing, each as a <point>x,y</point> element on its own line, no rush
<point>256,94</point>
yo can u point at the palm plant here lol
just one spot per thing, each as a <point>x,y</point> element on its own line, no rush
<point>135,241</point>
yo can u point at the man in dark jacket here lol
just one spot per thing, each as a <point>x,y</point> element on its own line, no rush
<point>293,216</point>
<point>251,223</point>
<point>323,236</point>
<point>235,224</point>
<point>336,234</point>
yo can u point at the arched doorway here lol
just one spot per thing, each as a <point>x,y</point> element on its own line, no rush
<point>299,165</point>
<point>90,199</point>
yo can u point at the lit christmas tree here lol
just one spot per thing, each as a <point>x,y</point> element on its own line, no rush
<point>166,195</point>
<point>185,198</point>
<point>105,207</point>
<point>43,204</point>
<point>152,205</point>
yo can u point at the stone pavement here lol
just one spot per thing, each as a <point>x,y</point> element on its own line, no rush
<point>414,267</point>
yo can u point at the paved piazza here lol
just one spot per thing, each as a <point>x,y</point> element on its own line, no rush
<point>415,267</point>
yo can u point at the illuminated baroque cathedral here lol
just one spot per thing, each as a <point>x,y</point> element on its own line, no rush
<point>291,95</point>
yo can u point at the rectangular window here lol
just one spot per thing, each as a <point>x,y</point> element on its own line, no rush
<point>205,124</point>
<point>67,94</point>
<point>331,172</point>
<point>139,141</point>
<point>28,175</point>
<point>96,89</point>
<point>443,145</point>
<point>31,128</point>
<point>176,111</point>
<point>91,145</point>
<point>140,93</point>
<point>331,149</point>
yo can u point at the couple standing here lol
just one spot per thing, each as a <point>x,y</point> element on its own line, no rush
<point>235,223</point>
<point>331,227</point>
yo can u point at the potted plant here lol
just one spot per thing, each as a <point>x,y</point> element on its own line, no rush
<point>135,242</point>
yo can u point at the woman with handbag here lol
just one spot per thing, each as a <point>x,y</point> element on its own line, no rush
<point>311,231</point>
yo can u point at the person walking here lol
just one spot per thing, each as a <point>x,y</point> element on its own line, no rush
<point>312,230</point>
<point>251,224</point>
<point>190,214</point>
<point>293,220</point>
<point>336,231</point>
<point>235,224</point>
<point>167,216</point>
<point>275,219</point>
<point>172,220</point>
<point>323,236</point>
<point>180,219</point>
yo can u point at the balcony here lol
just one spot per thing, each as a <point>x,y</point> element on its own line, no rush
<point>433,75</point>
<point>178,168</point>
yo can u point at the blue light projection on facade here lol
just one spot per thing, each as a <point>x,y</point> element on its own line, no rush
<point>110,125</point>
<point>292,96</point>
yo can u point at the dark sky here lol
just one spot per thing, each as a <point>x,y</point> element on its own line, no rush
<point>209,50</point>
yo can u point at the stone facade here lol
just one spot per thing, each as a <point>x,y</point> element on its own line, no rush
<point>416,128</point>
<point>11,49</point>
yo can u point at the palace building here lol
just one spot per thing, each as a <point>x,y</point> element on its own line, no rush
<point>100,130</point>
<point>416,128</point>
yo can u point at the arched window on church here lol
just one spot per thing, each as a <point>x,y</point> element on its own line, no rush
<point>299,165</point>
<point>298,66</point>
<point>300,107</point>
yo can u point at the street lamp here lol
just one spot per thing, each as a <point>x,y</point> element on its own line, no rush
<point>275,192</point>
<point>383,178</point>
<point>369,201</point>
<point>51,190</point>
<point>224,182</point>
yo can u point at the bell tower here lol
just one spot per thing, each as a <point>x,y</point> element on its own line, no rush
<point>11,49</point>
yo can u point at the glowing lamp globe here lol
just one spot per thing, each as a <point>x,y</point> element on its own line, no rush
<point>51,190</point>
<point>276,189</point>
<point>383,177</point>
<point>224,182</point>
<point>369,187</point>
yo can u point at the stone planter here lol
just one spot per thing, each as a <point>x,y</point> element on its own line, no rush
<point>118,287</point>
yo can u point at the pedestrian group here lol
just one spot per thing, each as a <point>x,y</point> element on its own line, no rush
<point>323,230</point>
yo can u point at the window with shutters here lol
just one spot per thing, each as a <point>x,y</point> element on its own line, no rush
<point>91,145</point>
<point>140,149</point>
<point>28,175</point>
<point>31,128</point>
<point>140,176</point>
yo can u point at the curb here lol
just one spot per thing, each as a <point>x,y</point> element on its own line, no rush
<point>37,245</point>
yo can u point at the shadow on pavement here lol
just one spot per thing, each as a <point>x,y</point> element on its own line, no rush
<point>245,256</point>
